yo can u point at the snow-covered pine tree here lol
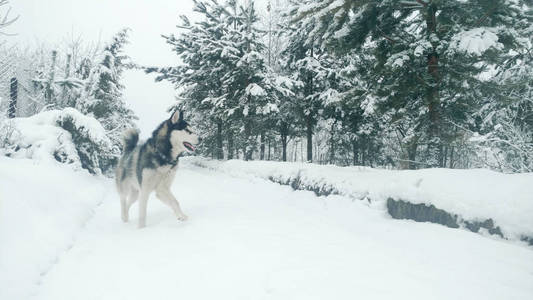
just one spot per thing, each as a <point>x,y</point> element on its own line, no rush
<point>205,59</point>
<point>315,71</point>
<point>102,97</point>
<point>224,79</point>
<point>431,55</point>
<point>249,82</point>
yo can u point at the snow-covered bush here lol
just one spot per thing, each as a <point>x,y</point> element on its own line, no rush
<point>66,136</point>
<point>87,80</point>
<point>7,130</point>
<point>507,149</point>
<point>94,148</point>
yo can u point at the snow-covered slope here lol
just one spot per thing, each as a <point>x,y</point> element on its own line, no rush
<point>473,195</point>
<point>42,206</point>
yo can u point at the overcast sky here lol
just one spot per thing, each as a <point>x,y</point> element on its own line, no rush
<point>53,21</point>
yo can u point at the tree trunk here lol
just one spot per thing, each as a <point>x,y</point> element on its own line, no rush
<point>301,151</point>
<point>451,157</point>
<point>433,101</point>
<point>268,155</point>
<point>411,155</point>
<point>332,144</point>
<point>363,150</point>
<point>230,145</point>
<point>309,132</point>
<point>354,150</point>
<point>64,96</point>
<point>275,155</point>
<point>262,146</point>
<point>248,151</point>
<point>295,151</point>
<point>284,130</point>
<point>49,90</point>
<point>308,117</point>
<point>219,150</point>
<point>332,151</point>
<point>444,157</point>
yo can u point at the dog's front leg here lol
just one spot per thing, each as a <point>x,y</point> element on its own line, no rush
<point>143,202</point>
<point>165,195</point>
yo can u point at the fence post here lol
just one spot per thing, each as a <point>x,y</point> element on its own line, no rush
<point>13,94</point>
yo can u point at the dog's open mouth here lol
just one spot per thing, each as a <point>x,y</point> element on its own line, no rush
<point>189,146</point>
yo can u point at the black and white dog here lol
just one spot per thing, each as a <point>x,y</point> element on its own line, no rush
<point>151,166</point>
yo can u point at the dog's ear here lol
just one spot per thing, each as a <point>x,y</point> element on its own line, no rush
<point>177,116</point>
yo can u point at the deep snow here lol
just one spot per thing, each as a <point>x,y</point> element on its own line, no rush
<point>247,238</point>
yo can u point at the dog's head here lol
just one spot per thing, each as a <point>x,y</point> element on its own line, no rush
<point>182,136</point>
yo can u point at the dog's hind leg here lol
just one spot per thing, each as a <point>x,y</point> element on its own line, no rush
<point>127,202</point>
<point>166,197</point>
<point>132,198</point>
<point>143,202</point>
<point>123,207</point>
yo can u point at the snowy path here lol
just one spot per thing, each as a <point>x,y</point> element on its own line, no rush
<point>251,239</point>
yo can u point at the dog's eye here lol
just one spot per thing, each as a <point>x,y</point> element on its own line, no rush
<point>188,131</point>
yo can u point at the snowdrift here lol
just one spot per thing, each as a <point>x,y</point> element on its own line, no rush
<point>478,200</point>
<point>42,207</point>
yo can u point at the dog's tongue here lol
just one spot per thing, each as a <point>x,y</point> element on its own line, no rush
<point>189,146</point>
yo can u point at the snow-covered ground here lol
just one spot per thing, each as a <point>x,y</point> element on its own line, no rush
<point>246,238</point>
<point>42,208</point>
<point>473,195</point>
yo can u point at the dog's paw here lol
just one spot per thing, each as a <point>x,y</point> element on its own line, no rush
<point>183,217</point>
<point>141,225</point>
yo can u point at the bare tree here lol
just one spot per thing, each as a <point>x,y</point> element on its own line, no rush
<point>5,19</point>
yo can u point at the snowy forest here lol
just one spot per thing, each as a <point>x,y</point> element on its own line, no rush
<point>401,84</point>
<point>395,84</point>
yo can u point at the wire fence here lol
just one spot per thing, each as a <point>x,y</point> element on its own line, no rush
<point>7,73</point>
<point>18,96</point>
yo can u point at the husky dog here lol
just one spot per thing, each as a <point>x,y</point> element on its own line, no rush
<point>151,166</point>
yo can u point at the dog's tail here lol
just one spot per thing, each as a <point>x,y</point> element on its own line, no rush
<point>130,139</point>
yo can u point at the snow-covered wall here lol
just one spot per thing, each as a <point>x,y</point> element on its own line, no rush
<point>473,199</point>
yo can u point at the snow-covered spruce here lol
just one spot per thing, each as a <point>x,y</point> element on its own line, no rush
<point>66,136</point>
<point>478,200</point>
